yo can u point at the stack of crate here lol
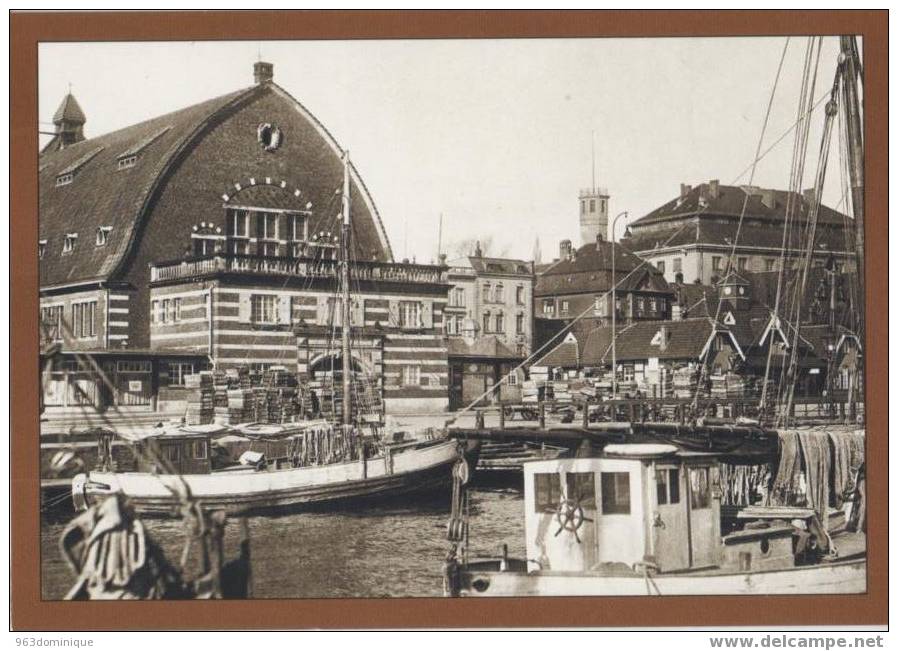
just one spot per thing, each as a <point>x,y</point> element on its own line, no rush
<point>684,382</point>
<point>200,398</point>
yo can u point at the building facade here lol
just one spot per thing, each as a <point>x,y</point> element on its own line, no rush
<point>212,231</point>
<point>691,238</point>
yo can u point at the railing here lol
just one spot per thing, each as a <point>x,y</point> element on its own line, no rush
<point>301,267</point>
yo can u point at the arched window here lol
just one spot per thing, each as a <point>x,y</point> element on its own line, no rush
<point>500,323</point>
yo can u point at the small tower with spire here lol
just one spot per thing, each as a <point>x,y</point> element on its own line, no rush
<point>593,208</point>
<point>69,121</point>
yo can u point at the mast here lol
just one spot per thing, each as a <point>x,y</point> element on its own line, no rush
<point>344,303</point>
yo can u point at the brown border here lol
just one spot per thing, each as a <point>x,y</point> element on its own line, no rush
<point>28,612</point>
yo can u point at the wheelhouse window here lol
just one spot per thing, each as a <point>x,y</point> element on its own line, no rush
<point>699,488</point>
<point>198,449</point>
<point>546,491</point>
<point>264,308</point>
<point>667,481</point>
<point>615,493</point>
<point>581,487</point>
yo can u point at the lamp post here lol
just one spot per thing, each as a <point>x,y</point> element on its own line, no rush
<point>614,312</point>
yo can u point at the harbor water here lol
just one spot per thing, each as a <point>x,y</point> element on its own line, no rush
<point>391,549</point>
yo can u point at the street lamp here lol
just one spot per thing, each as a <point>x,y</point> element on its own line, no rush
<point>614,312</point>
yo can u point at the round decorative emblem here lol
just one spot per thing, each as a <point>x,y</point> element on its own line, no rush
<point>269,136</point>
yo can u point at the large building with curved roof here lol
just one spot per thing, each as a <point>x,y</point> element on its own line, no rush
<point>166,236</point>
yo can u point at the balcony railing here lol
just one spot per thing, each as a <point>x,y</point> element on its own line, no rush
<point>300,267</point>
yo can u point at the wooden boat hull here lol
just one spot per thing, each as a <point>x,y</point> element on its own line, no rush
<point>417,469</point>
<point>485,580</point>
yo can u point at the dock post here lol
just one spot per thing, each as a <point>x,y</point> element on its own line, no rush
<point>586,414</point>
<point>542,415</point>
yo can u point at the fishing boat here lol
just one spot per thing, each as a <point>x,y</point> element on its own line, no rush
<point>317,462</point>
<point>644,519</point>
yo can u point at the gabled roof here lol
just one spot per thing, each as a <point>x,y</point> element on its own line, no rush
<point>103,196</point>
<point>589,270</point>
<point>565,355</point>
<point>122,198</point>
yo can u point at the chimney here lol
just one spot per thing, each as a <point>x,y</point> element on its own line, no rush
<point>714,188</point>
<point>564,249</point>
<point>684,190</point>
<point>263,72</point>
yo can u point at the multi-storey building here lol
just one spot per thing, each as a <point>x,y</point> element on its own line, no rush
<point>208,236</point>
<point>489,321</point>
<point>692,237</point>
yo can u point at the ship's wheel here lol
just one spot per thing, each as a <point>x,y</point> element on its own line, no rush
<point>570,516</point>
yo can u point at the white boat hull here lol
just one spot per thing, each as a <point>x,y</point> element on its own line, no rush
<point>844,577</point>
<point>244,491</point>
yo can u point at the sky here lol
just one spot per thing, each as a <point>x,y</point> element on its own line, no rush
<point>494,135</point>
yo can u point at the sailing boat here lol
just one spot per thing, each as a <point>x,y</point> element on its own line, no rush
<point>319,463</point>
<point>645,517</point>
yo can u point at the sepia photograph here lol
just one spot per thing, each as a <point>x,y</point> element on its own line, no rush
<point>452,318</point>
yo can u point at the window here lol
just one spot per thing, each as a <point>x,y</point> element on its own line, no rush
<point>500,322</point>
<point>127,161</point>
<point>458,297</point>
<point>699,488</point>
<point>64,179</point>
<point>267,233</point>
<point>154,311</point>
<point>264,308</point>
<point>41,249</point>
<point>68,244</point>
<point>565,306</point>
<point>653,306</point>
<point>177,371</point>
<point>520,295</point>
<point>547,490</point>
<point>583,206</point>
<point>410,314</point>
<point>411,375</point>
<point>769,264</point>
<point>602,205</point>
<point>592,205</point>
<point>667,481</point>
<point>660,265</point>
<point>716,260</point>
<point>499,293</point>
<point>742,263</point>
<point>615,493</point>
<point>238,232</point>
<point>51,320</point>
<point>581,487</point>
<point>84,318</point>
<point>450,326</point>
<point>640,305</point>
<point>549,307</point>
<point>296,229</point>
<point>677,265</point>
<point>103,235</point>
<point>519,324</point>
<point>198,449</point>
<point>171,452</point>
<point>512,379</point>
<point>203,246</point>
<point>486,322</point>
<point>486,293</point>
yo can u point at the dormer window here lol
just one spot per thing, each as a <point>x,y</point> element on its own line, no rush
<point>67,175</point>
<point>127,161</point>
<point>64,179</point>
<point>68,244</point>
<point>41,249</point>
<point>103,235</point>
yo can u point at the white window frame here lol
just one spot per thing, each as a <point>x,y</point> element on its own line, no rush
<point>410,376</point>
<point>177,371</point>
<point>519,324</point>
<point>410,314</point>
<point>103,235</point>
<point>68,245</point>
<point>41,249</point>
<point>499,321</point>
<point>64,179</point>
<point>126,162</point>
<point>264,309</point>
<point>84,319</point>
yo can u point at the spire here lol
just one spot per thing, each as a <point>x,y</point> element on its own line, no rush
<point>69,120</point>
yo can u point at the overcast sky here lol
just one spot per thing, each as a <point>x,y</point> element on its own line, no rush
<point>494,134</point>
